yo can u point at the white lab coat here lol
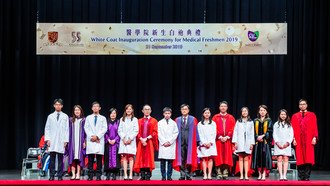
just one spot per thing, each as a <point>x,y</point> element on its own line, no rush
<point>207,134</point>
<point>57,132</point>
<point>99,130</point>
<point>243,135</point>
<point>282,135</point>
<point>167,133</point>
<point>128,129</point>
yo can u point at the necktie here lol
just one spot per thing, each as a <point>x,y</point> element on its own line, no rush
<point>95,120</point>
<point>58,116</point>
<point>184,122</point>
<point>167,121</point>
<point>303,114</point>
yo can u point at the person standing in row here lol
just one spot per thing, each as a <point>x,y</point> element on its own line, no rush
<point>262,157</point>
<point>304,124</point>
<point>128,130</point>
<point>207,150</point>
<point>283,136</point>
<point>95,128</point>
<point>167,135</point>
<point>77,137</point>
<point>57,137</point>
<point>225,126</point>
<point>243,138</point>
<point>186,153</point>
<point>111,157</point>
<point>147,144</point>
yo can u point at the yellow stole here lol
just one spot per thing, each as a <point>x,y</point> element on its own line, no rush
<point>265,127</point>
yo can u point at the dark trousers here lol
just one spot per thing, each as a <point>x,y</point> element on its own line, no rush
<point>98,165</point>
<point>59,164</point>
<point>304,171</point>
<point>169,168</point>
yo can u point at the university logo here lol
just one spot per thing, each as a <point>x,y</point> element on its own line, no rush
<point>76,38</point>
<point>253,36</point>
<point>52,37</point>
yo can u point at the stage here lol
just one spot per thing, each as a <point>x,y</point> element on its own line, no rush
<point>14,178</point>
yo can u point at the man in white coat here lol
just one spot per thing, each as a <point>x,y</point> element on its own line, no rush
<point>57,137</point>
<point>95,128</point>
<point>167,133</point>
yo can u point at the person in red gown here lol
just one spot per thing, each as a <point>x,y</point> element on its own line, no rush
<point>305,138</point>
<point>225,127</point>
<point>147,143</point>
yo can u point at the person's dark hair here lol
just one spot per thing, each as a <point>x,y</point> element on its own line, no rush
<point>145,105</point>
<point>301,100</point>
<point>203,118</point>
<point>264,107</point>
<point>184,105</point>
<point>241,117</point>
<point>96,103</point>
<point>110,111</point>
<point>59,100</point>
<point>287,120</point>
<point>124,115</point>
<point>74,117</point>
<point>167,109</point>
<point>223,102</point>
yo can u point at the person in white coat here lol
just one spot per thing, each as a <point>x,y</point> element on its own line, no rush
<point>127,131</point>
<point>243,138</point>
<point>167,133</point>
<point>283,137</point>
<point>207,149</point>
<point>57,137</point>
<point>95,128</point>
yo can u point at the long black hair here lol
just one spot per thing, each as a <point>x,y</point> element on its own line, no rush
<point>287,120</point>
<point>248,116</point>
<point>203,118</point>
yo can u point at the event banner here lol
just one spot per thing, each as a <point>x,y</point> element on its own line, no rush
<point>161,39</point>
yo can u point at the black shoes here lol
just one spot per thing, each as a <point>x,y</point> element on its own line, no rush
<point>182,178</point>
<point>60,178</point>
<point>51,178</point>
<point>89,178</point>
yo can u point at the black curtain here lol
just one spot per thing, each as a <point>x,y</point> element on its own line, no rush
<point>29,83</point>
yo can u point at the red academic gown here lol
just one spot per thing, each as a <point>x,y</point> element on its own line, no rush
<point>192,159</point>
<point>225,150</point>
<point>305,129</point>
<point>145,154</point>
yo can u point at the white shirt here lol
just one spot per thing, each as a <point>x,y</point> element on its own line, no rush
<point>167,133</point>
<point>98,129</point>
<point>128,130</point>
<point>57,131</point>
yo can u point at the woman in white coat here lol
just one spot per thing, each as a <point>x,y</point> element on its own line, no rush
<point>167,133</point>
<point>283,137</point>
<point>243,138</point>
<point>207,148</point>
<point>127,131</point>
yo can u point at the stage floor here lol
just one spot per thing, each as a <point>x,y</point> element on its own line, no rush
<point>13,177</point>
